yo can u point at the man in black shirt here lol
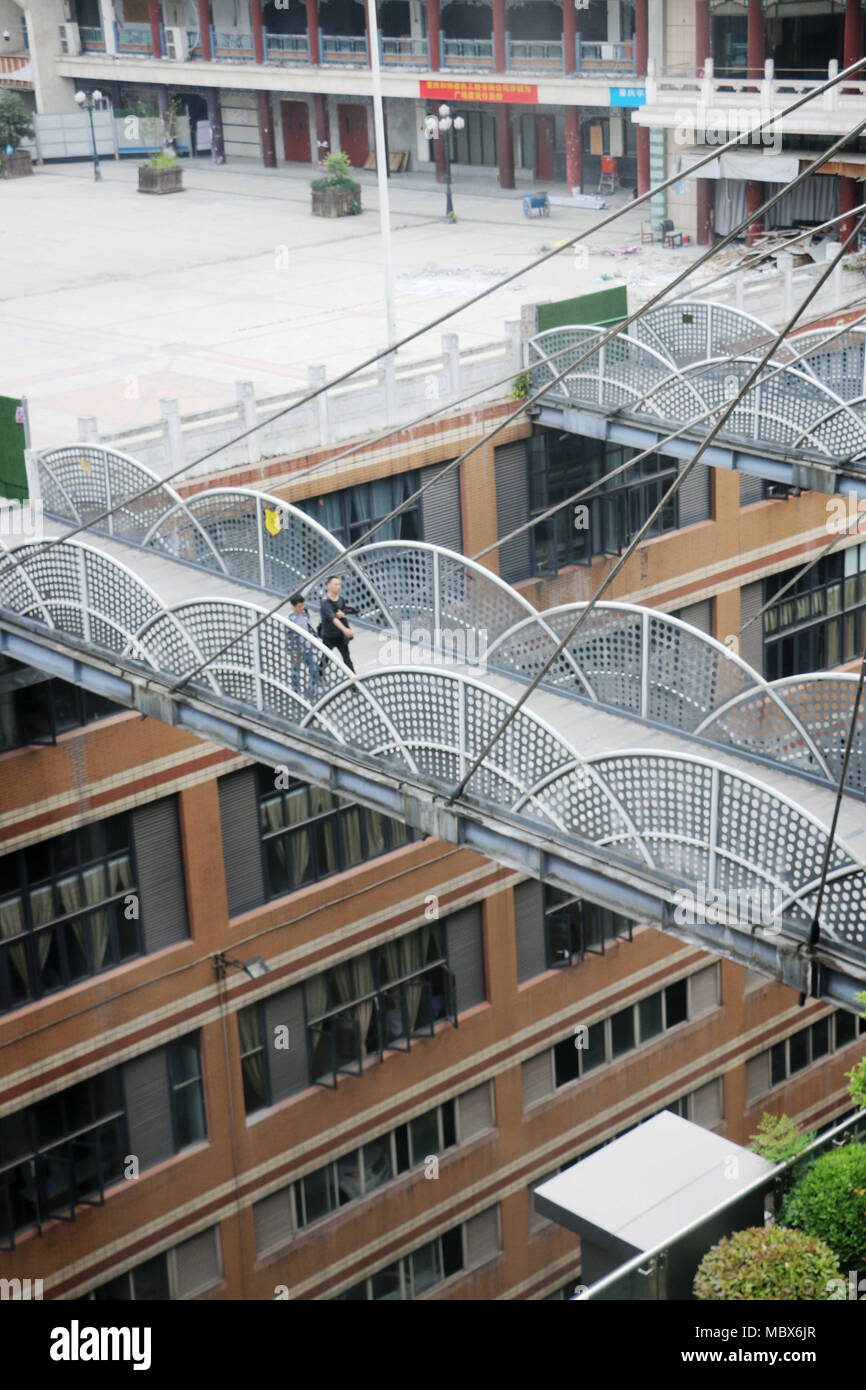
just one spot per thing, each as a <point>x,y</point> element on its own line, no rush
<point>335,631</point>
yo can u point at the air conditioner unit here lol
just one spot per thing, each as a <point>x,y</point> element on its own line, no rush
<point>177,45</point>
<point>70,40</point>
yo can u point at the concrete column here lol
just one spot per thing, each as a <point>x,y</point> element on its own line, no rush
<point>106,19</point>
<point>266,130</point>
<point>214,115</point>
<point>155,17</point>
<point>204,22</point>
<point>754,199</point>
<point>703,35</point>
<point>569,34</point>
<point>434,33</point>
<point>313,31</point>
<point>323,125</point>
<point>641,48</point>
<point>614,22</point>
<point>500,24</point>
<point>755,37</point>
<point>258,23</point>
<point>573,149</point>
<point>506,146</point>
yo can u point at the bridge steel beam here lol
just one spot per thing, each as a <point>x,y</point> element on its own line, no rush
<point>577,869</point>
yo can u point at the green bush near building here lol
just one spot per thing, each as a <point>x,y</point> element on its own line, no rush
<point>829,1201</point>
<point>767,1262</point>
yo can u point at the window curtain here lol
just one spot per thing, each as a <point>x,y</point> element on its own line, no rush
<point>250,1034</point>
<point>375,833</point>
<point>316,993</point>
<point>414,956</point>
<point>42,911</point>
<point>352,843</point>
<point>12,924</point>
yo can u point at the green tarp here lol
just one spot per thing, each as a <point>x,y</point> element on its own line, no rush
<point>604,308</point>
<point>13,470</point>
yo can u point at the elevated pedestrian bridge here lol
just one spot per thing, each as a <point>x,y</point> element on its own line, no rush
<point>802,423</point>
<point>651,761</point>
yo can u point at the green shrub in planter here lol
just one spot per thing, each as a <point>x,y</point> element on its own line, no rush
<point>336,194</point>
<point>829,1201</point>
<point>777,1139</point>
<point>767,1262</point>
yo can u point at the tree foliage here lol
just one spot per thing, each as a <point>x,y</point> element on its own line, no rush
<point>829,1201</point>
<point>14,121</point>
<point>767,1262</point>
<point>777,1139</point>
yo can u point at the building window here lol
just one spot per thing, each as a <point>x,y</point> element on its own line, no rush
<point>786,1059</point>
<point>309,834</point>
<point>182,1272</point>
<point>462,1248</point>
<point>379,1001</point>
<point>620,1033</point>
<point>820,622</point>
<point>355,1175</point>
<point>64,910</point>
<point>560,466</point>
<point>61,1152</point>
<point>350,512</point>
<point>575,927</point>
<point>36,708</point>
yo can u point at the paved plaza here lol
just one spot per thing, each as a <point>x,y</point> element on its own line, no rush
<point>113,300</point>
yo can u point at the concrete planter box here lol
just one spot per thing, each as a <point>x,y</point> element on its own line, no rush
<point>17,165</point>
<point>337,202</point>
<point>167,180</point>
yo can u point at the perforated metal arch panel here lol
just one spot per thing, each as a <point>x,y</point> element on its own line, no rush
<point>680,816</point>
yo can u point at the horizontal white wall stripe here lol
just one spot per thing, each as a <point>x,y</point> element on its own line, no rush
<point>554,1275</point>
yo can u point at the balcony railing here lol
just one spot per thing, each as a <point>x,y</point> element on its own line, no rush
<point>343,48</point>
<point>237,47</point>
<point>52,1184</point>
<point>133,38</point>
<point>92,38</point>
<point>606,57</point>
<point>287,48</point>
<point>405,52</point>
<point>467,53</point>
<point>535,54</point>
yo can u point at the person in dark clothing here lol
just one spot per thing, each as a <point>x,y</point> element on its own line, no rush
<point>305,675</point>
<point>335,631</point>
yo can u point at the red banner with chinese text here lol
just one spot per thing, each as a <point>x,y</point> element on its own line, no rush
<point>511,92</point>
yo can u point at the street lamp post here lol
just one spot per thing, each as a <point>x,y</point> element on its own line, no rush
<point>435,128</point>
<point>87,102</point>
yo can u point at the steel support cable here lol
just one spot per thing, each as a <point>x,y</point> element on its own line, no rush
<point>746,135</point>
<point>632,546</point>
<point>659,445</point>
<point>531,400</point>
<point>815,926</point>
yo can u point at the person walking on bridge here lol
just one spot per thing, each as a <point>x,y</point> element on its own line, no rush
<point>334,630</point>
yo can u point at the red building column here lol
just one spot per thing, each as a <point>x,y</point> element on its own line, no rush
<point>500,24</point>
<point>705,196</point>
<point>755,65</point>
<point>313,32</point>
<point>754,199</point>
<point>506,146</point>
<point>848,199</point>
<point>434,34</point>
<point>569,35</point>
<point>323,129</point>
<point>641,54</point>
<point>439,157</point>
<point>266,131</point>
<point>367,28</point>
<point>703,34</point>
<point>258,30</point>
<point>204,23</point>
<point>155,17</point>
<point>573,148</point>
<point>755,39</point>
